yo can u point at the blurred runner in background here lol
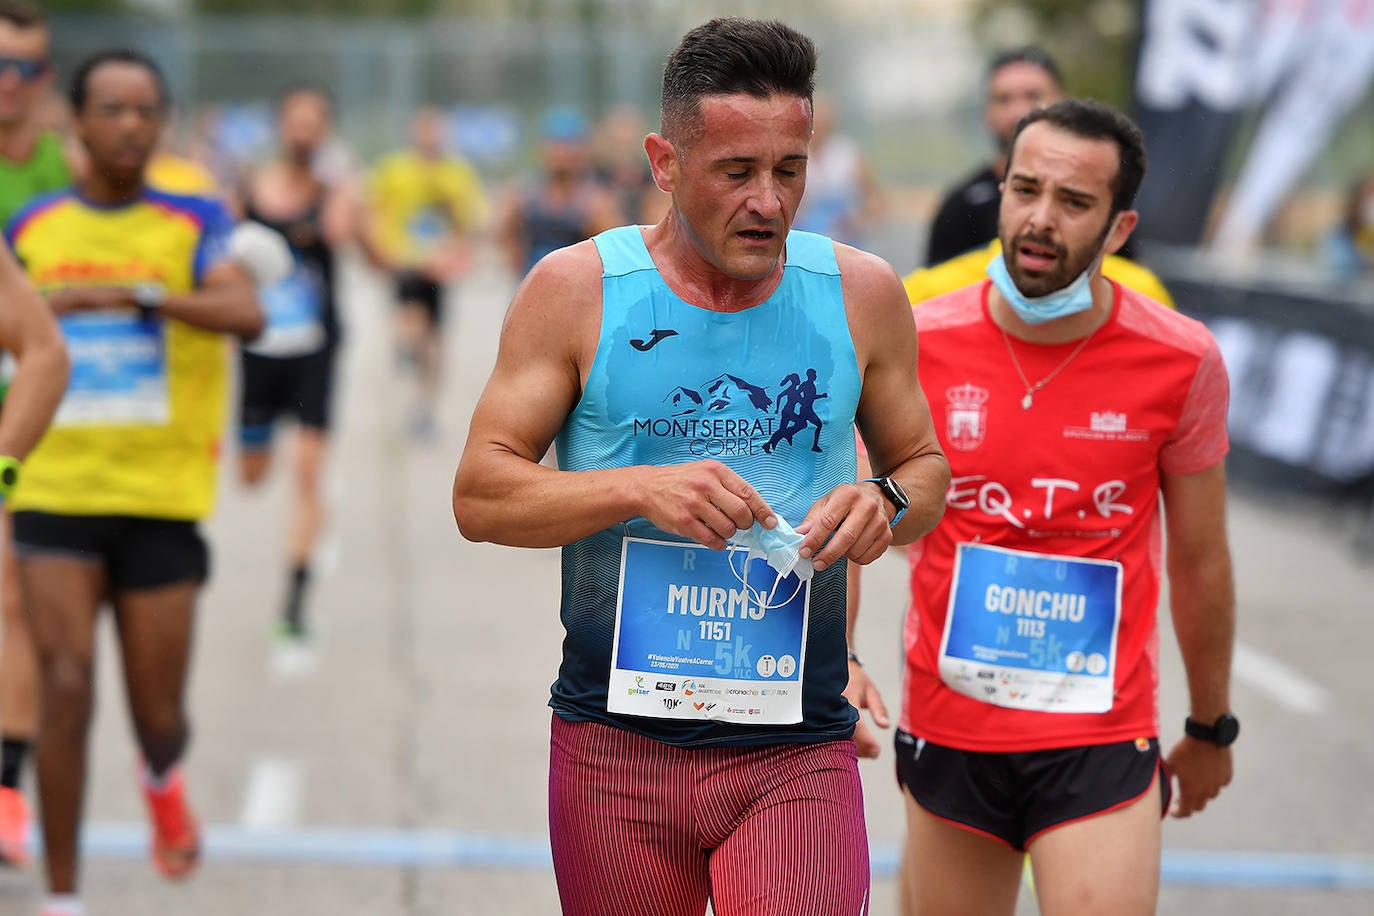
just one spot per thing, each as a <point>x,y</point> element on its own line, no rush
<point>563,204</point>
<point>110,500</point>
<point>289,370</point>
<point>842,195</point>
<point>426,207</point>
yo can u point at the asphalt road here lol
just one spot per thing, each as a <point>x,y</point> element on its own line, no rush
<point>402,769</point>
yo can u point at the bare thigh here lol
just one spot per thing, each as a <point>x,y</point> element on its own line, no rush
<point>950,871</point>
<point>1103,864</point>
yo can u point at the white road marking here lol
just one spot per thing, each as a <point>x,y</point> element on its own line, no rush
<point>1279,682</point>
<point>273,798</point>
<point>294,659</point>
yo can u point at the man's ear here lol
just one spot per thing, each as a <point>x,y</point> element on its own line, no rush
<point>663,161</point>
<point>1125,224</point>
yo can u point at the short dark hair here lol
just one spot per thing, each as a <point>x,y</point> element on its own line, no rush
<point>1027,54</point>
<point>1094,120</point>
<point>22,14</point>
<point>78,90</point>
<point>730,55</point>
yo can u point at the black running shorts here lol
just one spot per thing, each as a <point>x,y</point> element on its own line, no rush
<point>1014,798</point>
<point>270,386</point>
<point>414,287</point>
<point>137,553</point>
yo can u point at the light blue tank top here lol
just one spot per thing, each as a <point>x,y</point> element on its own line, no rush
<point>770,391</point>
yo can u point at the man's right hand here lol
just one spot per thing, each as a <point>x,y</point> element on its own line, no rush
<point>704,500</point>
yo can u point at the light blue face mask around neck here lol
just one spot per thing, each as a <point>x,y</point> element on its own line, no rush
<point>1070,300</point>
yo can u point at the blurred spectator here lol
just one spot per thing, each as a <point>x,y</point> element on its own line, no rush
<point>565,204</point>
<point>622,166</point>
<point>1349,249</point>
<point>1019,80</point>
<point>842,197</point>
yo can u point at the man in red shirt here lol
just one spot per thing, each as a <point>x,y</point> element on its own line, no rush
<point>1067,405</point>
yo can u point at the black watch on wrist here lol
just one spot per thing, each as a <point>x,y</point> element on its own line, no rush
<point>1222,732</point>
<point>894,493</point>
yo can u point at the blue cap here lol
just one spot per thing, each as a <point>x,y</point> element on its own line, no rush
<point>563,124</point>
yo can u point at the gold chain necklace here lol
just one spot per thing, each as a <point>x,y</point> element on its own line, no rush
<point>1026,399</point>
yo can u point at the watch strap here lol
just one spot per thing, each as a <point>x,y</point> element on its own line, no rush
<point>9,475</point>
<point>1213,733</point>
<point>885,485</point>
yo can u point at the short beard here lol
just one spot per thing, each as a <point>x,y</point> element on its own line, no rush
<point>1062,278</point>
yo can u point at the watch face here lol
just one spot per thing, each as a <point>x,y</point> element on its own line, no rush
<point>899,497</point>
<point>149,295</point>
<point>1228,728</point>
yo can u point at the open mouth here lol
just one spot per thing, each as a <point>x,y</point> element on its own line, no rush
<point>756,235</point>
<point>1036,257</point>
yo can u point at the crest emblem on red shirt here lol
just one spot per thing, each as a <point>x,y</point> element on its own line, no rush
<point>966,416</point>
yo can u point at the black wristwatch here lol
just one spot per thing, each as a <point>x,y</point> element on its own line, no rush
<point>895,495</point>
<point>1222,732</point>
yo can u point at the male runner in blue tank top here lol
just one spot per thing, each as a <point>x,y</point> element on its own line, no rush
<point>702,736</point>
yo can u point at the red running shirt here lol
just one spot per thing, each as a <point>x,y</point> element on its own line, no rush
<point>1077,474</point>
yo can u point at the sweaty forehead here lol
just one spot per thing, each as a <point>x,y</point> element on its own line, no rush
<point>1052,155</point>
<point>727,111</point>
<point>119,80</point>
<point>31,42</point>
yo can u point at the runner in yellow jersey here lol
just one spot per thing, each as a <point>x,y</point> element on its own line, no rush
<point>108,508</point>
<point>426,206</point>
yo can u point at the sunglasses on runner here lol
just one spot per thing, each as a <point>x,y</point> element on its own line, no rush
<point>28,68</point>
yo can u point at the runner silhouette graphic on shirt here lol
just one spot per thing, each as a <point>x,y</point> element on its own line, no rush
<point>796,403</point>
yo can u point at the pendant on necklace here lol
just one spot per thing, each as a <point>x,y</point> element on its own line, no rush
<point>1026,401</point>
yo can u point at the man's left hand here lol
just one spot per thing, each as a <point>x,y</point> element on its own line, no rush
<point>863,694</point>
<point>849,521</point>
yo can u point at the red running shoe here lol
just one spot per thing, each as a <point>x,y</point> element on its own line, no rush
<point>176,837</point>
<point>14,828</point>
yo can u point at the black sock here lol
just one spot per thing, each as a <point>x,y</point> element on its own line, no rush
<point>12,754</point>
<point>295,601</point>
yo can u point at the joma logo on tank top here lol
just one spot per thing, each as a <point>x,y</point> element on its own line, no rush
<point>729,416</point>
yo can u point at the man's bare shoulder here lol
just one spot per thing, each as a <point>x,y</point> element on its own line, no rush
<point>867,278</point>
<point>567,278</point>
<point>556,312</point>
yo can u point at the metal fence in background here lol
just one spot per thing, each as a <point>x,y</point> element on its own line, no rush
<point>907,91</point>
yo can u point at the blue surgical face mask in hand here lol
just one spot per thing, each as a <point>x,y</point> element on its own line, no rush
<point>780,547</point>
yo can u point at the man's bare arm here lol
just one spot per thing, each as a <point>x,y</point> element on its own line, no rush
<point>502,493</point>
<point>29,331</point>
<point>1203,604</point>
<point>894,417</point>
<point>226,302</point>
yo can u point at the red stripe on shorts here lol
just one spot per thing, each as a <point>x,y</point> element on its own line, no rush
<point>643,828</point>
